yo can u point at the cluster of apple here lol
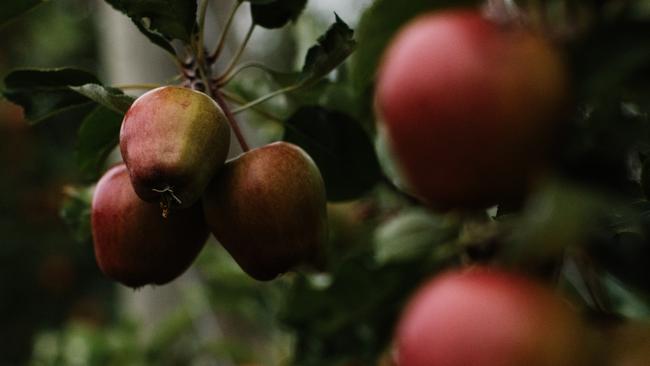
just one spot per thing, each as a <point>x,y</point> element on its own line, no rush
<point>470,107</point>
<point>151,216</point>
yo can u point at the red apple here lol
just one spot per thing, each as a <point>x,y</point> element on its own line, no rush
<point>469,107</point>
<point>173,141</point>
<point>267,208</point>
<point>488,318</point>
<point>134,244</point>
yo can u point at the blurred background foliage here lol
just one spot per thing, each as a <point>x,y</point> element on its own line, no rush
<point>586,228</point>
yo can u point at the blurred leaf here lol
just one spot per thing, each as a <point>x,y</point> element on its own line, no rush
<point>75,211</point>
<point>610,57</point>
<point>411,235</point>
<point>276,13</point>
<point>378,25</point>
<point>45,93</point>
<point>111,98</point>
<point>161,20</point>
<point>351,318</point>
<point>340,147</point>
<point>97,137</point>
<point>597,144</point>
<point>559,216</point>
<point>626,255</point>
<point>10,10</point>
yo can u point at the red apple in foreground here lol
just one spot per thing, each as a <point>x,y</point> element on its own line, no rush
<point>469,107</point>
<point>173,141</point>
<point>488,318</point>
<point>267,208</point>
<point>134,244</point>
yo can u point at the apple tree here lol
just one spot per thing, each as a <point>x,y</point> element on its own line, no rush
<point>446,183</point>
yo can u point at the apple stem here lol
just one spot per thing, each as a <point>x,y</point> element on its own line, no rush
<point>166,197</point>
<point>216,94</point>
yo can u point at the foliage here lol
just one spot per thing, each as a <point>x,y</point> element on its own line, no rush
<point>586,227</point>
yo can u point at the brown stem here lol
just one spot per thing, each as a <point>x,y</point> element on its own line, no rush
<point>218,97</point>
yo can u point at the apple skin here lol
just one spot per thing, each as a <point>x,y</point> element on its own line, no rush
<point>134,244</point>
<point>488,318</point>
<point>470,107</point>
<point>267,207</point>
<point>177,138</point>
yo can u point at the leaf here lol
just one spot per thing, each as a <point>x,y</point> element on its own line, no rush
<point>352,317</point>
<point>340,147</point>
<point>410,235</point>
<point>276,13</point>
<point>9,10</point>
<point>376,28</point>
<point>611,57</point>
<point>110,98</point>
<point>161,20</point>
<point>44,93</point>
<point>75,211</point>
<point>332,49</point>
<point>98,136</point>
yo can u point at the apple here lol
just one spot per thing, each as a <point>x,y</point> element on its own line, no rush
<point>488,317</point>
<point>267,208</point>
<point>470,107</point>
<point>133,243</point>
<point>173,140</point>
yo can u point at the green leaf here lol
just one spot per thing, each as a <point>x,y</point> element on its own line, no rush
<point>378,25</point>
<point>276,13</point>
<point>44,93</point>
<point>332,49</point>
<point>75,211</point>
<point>98,136</point>
<point>340,147</point>
<point>412,234</point>
<point>110,98</point>
<point>161,20</point>
<point>9,10</point>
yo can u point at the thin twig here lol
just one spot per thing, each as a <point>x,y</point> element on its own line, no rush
<point>241,101</point>
<point>225,79</point>
<point>216,94</point>
<point>201,47</point>
<point>264,98</point>
<point>240,52</point>
<point>222,39</point>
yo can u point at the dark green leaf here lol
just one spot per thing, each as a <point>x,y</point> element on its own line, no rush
<point>75,211</point>
<point>352,318</point>
<point>377,27</point>
<point>332,49</point>
<point>161,20</point>
<point>339,146</point>
<point>46,93</point>
<point>276,13</point>
<point>110,98</point>
<point>12,9</point>
<point>98,135</point>
<point>611,58</point>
